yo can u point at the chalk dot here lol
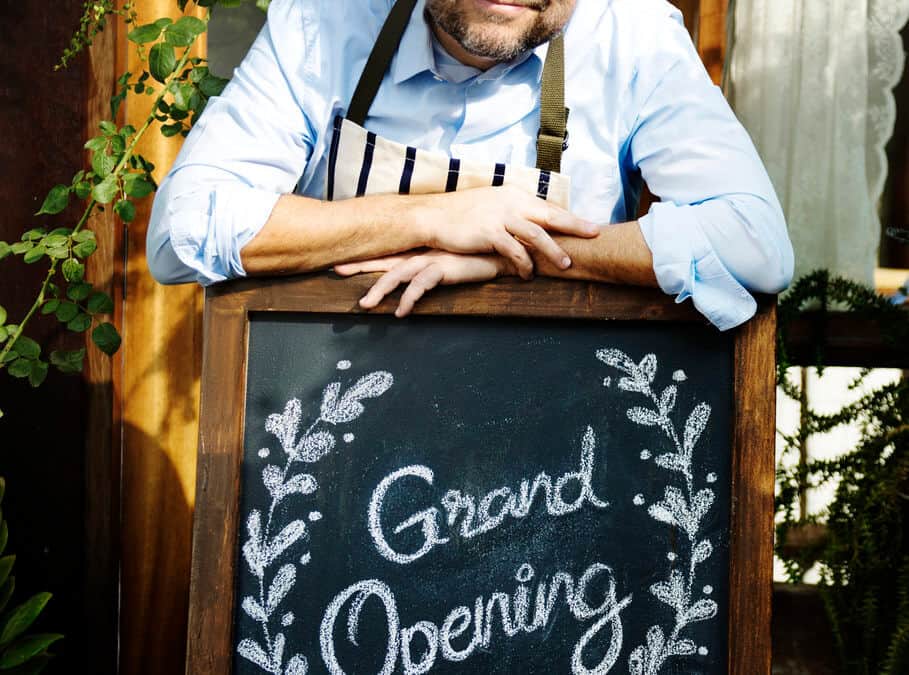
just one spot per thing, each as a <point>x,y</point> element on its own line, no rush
<point>607,381</point>
<point>671,556</point>
<point>679,376</point>
<point>708,589</point>
<point>711,477</point>
<point>315,516</point>
<point>348,438</point>
<point>525,573</point>
<point>639,500</point>
<point>645,455</point>
<point>344,365</point>
<point>287,619</point>
<point>703,651</point>
<point>304,560</point>
<point>263,453</point>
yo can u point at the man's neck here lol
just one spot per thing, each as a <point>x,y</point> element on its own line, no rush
<point>454,48</point>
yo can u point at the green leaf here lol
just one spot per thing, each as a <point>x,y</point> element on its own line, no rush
<point>66,312</point>
<point>54,240</point>
<point>56,200</point>
<point>58,253</point>
<point>83,235</point>
<point>118,145</point>
<point>68,362</point>
<point>50,306</point>
<point>27,348</point>
<point>6,591</point>
<point>80,324</point>
<point>97,143</point>
<point>22,246</point>
<point>212,85</point>
<point>182,96</point>
<point>169,130</point>
<point>3,315</point>
<point>102,163</point>
<point>20,368</point>
<point>73,270</point>
<point>137,187</point>
<point>83,189</point>
<point>100,303</point>
<point>34,234</point>
<point>106,338</point>
<point>11,356</point>
<point>161,61</point>
<point>108,128</point>
<point>38,374</point>
<point>4,538</point>
<point>79,291</point>
<point>35,254</point>
<point>126,210</point>
<point>22,617</point>
<point>5,250</point>
<point>27,648</point>
<point>85,248</point>
<point>6,567</point>
<point>105,191</point>
<point>164,22</point>
<point>145,34</point>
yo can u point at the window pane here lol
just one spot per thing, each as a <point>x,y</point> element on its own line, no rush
<point>230,34</point>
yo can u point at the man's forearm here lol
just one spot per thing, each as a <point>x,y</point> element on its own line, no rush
<point>304,234</point>
<point>618,254</point>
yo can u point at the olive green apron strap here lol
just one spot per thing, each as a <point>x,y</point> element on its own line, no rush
<point>379,60</point>
<point>553,113</point>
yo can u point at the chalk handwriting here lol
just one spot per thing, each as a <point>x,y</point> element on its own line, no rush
<point>419,647</point>
<point>494,507</point>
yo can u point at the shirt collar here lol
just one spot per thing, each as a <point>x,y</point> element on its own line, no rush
<point>415,52</point>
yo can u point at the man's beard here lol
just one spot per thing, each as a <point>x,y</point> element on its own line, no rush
<point>496,42</point>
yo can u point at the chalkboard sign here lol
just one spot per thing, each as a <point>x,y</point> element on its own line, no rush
<point>504,483</point>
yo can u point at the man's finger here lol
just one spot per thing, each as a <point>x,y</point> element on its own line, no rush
<point>538,239</point>
<point>425,280</point>
<point>556,219</point>
<point>510,248</point>
<point>374,265</point>
<point>401,273</point>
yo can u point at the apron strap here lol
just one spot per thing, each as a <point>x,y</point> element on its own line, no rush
<point>553,113</point>
<point>379,60</point>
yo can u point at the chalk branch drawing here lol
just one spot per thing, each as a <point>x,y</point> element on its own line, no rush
<point>263,549</point>
<point>683,510</point>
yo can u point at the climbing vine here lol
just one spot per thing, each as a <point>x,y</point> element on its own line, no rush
<point>116,177</point>
<point>863,553</point>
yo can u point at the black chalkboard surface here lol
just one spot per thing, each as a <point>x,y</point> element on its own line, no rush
<point>455,493</point>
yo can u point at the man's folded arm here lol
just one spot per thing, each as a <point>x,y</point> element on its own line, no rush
<point>718,231</point>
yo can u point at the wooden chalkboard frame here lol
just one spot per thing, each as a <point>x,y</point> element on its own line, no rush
<point>226,327</point>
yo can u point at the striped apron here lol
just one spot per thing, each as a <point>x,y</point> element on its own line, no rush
<point>362,163</point>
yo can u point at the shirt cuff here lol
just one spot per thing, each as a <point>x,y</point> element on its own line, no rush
<point>208,235</point>
<point>686,266</point>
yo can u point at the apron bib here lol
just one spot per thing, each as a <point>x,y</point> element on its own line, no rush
<point>361,163</point>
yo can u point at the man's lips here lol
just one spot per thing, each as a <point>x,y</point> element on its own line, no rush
<point>512,6</point>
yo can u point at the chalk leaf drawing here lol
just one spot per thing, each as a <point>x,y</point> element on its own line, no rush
<point>269,540</point>
<point>682,507</point>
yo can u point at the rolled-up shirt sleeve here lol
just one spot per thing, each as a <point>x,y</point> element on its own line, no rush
<point>249,147</point>
<point>718,231</point>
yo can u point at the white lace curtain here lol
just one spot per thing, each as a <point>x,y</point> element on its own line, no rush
<point>811,80</point>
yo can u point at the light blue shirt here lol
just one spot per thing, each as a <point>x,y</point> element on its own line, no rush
<point>642,107</point>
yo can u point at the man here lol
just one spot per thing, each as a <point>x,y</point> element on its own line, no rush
<point>464,85</point>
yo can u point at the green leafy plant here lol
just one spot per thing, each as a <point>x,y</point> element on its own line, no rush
<point>116,177</point>
<point>20,652</point>
<point>863,554</point>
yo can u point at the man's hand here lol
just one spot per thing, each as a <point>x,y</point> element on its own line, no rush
<point>504,220</point>
<point>423,271</point>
